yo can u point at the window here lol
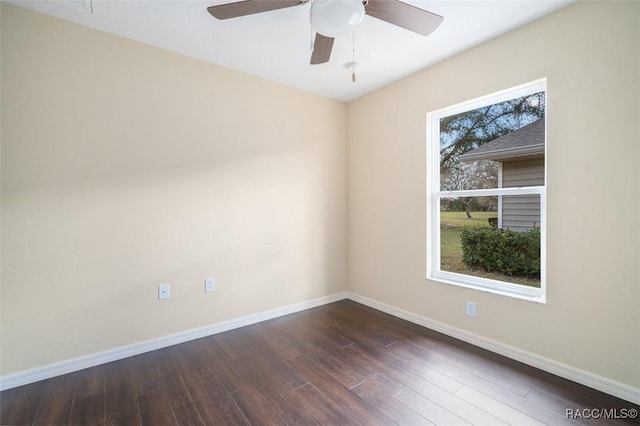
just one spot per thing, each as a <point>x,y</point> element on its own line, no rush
<point>486,199</point>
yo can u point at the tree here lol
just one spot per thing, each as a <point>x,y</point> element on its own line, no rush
<point>475,175</point>
<point>468,130</point>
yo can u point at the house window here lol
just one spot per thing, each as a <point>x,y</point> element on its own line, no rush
<point>486,198</point>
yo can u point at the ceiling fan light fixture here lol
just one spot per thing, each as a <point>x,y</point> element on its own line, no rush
<point>333,18</point>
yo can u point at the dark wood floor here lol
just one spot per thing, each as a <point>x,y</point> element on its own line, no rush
<point>338,364</point>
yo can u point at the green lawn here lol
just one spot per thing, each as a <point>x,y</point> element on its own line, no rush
<point>448,219</point>
<point>451,224</point>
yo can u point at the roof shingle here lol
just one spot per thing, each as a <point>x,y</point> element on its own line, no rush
<point>527,141</point>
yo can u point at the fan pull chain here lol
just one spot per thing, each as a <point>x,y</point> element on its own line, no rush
<point>311,43</point>
<point>353,70</point>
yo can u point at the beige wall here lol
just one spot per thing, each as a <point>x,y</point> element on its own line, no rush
<point>590,54</point>
<point>125,166</point>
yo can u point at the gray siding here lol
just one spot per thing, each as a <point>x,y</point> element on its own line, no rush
<point>521,212</point>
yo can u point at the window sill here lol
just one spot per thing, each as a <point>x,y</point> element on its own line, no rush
<point>529,294</point>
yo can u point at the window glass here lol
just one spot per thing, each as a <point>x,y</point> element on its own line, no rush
<point>487,192</point>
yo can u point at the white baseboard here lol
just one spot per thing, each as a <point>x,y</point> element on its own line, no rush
<point>75,364</point>
<point>603,384</point>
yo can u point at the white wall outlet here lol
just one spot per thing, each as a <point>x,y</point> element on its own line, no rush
<point>471,309</point>
<point>209,285</point>
<point>163,291</point>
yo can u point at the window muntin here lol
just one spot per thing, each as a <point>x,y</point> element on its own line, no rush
<point>493,174</point>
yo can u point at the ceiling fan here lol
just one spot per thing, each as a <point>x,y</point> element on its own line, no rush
<point>332,18</point>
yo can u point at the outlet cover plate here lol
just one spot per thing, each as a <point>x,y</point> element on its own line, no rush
<point>163,291</point>
<point>209,285</point>
<point>471,309</point>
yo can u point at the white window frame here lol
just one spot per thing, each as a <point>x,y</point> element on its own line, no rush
<point>434,195</point>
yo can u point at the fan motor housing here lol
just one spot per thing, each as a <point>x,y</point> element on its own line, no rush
<point>334,18</point>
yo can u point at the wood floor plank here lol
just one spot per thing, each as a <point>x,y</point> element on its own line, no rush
<point>216,404</point>
<point>193,356</point>
<point>422,367</point>
<point>54,411</point>
<point>256,407</point>
<point>188,413</point>
<point>88,410</point>
<point>430,410</point>
<point>445,372</point>
<point>121,396</point>
<point>276,372</point>
<point>277,341</point>
<point>337,368</point>
<point>287,404</point>
<point>146,372</point>
<point>347,401</point>
<point>496,408</point>
<point>338,364</point>
<point>460,407</point>
<point>236,344</point>
<point>444,356</point>
<point>156,408</point>
<point>324,350</point>
<point>182,388</point>
<point>57,386</point>
<point>236,374</point>
<point>317,324</point>
<point>275,380</point>
<point>319,408</point>
<point>495,391</point>
<point>400,413</point>
<point>224,411</point>
<point>437,349</point>
<point>18,406</point>
<point>486,368</point>
<point>378,326</point>
<point>306,336</point>
<point>87,382</point>
<point>374,370</point>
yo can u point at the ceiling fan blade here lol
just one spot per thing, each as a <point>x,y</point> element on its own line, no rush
<point>249,7</point>
<point>321,49</point>
<point>404,15</point>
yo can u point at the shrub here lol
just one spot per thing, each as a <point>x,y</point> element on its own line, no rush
<point>502,250</point>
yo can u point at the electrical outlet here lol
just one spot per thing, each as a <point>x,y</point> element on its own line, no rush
<point>471,309</point>
<point>163,291</point>
<point>209,285</point>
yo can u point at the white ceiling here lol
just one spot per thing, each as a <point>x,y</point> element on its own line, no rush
<point>276,45</point>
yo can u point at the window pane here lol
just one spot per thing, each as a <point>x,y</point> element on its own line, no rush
<point>475,145</point>
<point>460,175</point>
<point>492,237</point>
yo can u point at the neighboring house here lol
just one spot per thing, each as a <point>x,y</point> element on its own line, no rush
<point>521,157</point>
